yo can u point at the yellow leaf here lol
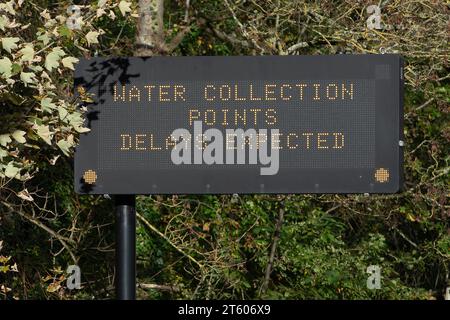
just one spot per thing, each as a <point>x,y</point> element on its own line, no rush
<point>4,259</point>
<point>47,105</point>
<point>44,132</point>
<point>3,22</point>
<point>112,15</point>
<point>45,15</point>
<point>124,7</point>
<point>91,37</point>
<point>4,139</point>
<point>27,53</point>
<point>4,289</point>
<point>47,278</point>
<point>68,62</point>
<point>25,195</point>
<point>14,268</point>
<point>10,43</point>
<point>27,77</point>
<point>65,145</point>
<point>52,59</point>
<point>100,12</point>
<point>11,171</point>
<point>8,7</point>
<point>53,287</point>
<point>18,136</point>
<point>5,67</point>
<point>101,3</point>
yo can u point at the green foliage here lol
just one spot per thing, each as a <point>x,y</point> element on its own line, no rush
<point>44,225</point>
<point>219,246</point>
<point>320,255</point>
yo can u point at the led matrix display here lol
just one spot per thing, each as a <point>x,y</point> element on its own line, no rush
<point>317,124</point>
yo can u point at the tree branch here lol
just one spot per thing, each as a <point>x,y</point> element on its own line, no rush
<point>159,287</point>
<point>273,249</point>
<point>63,240</point>
<point>177,39</point>
<point>153,228</point>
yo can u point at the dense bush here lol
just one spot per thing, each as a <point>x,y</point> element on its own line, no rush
<point>220,246</point>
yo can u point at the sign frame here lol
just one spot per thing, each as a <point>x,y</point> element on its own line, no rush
<point>95,76</point>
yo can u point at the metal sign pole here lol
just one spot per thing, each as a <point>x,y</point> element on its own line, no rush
<point>125,247</point>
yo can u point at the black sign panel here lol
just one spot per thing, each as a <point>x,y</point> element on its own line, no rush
<point>270,124</point>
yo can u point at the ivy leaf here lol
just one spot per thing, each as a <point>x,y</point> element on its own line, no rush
<point>44,38</point>
<point>52,59</point>
<point>69,61</point>
<point>3,153</point>
<point>3,22</point>
<point>44,132</point>
<point>36,68</point>
<point>8,7</point>
<point>5,67</point>
<point>27,53</point>
<point>11,171</point>
<point>60,52</point>
<point>44,14</point>
<point>62,113</point>
<point>47,105</point>
<point>65,145</point>
<point>91,37</point>
<point>80,129</point>
<point>4,139</point>
<point>27,77</point>
<point>100,12</point>
<point>18,135</point>
<point>76,121</point>
<point>124,7</point>
<point>112,15</point>
<point>10,43</point>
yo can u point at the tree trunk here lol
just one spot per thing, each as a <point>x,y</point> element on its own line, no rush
<point>150,37</point>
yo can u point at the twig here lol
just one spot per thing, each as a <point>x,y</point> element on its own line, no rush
<point>226,37</point>
<point>241,26</point>
<point>63,240</point>
<point>186,13</point>
<point>276,237</point>
<point>406,238</point>
<point>160,287</point>
<point>297,46</point>
<point>425,104</point>
<point>159,233</point>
